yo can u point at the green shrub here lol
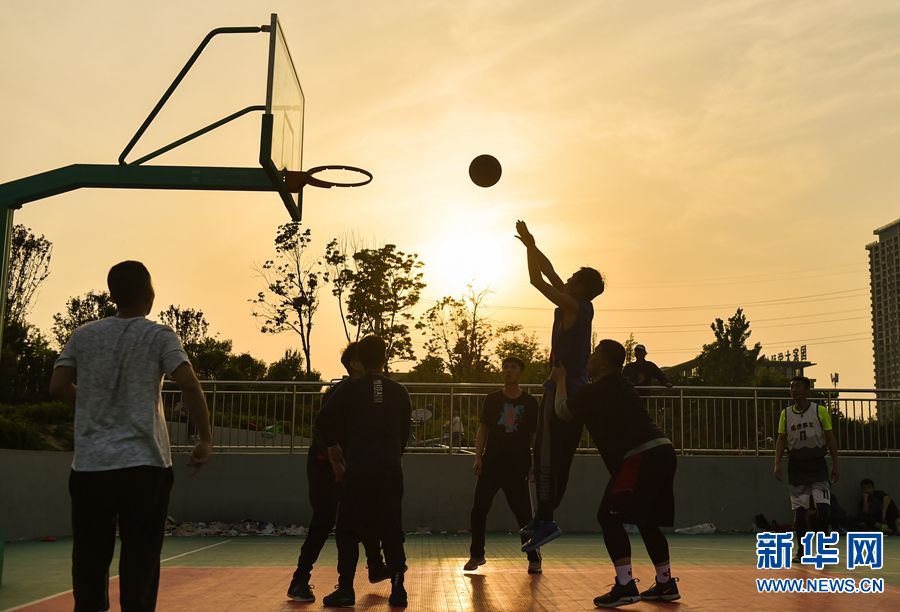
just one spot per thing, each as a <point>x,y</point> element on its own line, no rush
<point>20,434</point>
<point>48,413</point>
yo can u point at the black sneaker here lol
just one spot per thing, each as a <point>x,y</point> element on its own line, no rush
<point>544,532</point>
<point>343,597</point>
<point>667,591</point>
<point>398,592</point>
<point>379,573</point>
<point>534,562</point>
<point>620,595</point>
<point>473,563</point>
<point>300,589</point>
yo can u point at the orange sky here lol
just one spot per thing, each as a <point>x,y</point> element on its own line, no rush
<point>700,155</point>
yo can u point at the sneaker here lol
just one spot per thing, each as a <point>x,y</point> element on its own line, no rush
<point>343,597</point>
<point>300,589</point>
<point>528,530</point>
<point>620,595</point>
<point>534,562</point>
<point>545,531</point>
<point>379,573</point>
<point>667,591</point>
<point>398,592</point>
<point>473,563</point>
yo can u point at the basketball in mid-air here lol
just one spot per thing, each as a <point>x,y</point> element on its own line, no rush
<point>485,170</point>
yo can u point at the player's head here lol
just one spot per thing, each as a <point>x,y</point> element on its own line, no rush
<point>585,284</point>
<point>512,367</point>
<point>373,353</point>
<point>351,362</point>
<point>800,387</point>
<point>640,352</point>
<point>608,358</point>
<point>130,287</point>
<point>866,486</point>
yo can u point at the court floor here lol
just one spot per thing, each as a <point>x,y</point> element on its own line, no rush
<point>252,573</point>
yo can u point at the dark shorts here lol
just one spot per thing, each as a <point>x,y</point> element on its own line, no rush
<point>641,492</point>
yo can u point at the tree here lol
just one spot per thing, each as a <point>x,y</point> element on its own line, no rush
<point>29,266</point>
<point>629,345</point>
<point>460,335</point>
<point>290,300</point>
<point>428,369</point>
<point>244,367</point>
<point>290,367</point>
<point>210,357</point>
<point>342,269</point>
<point>26,364</point>
<point>727,361</point>
<point>92,306</point>
<point>190,325</point>
<point>381,292</point>
<point>512,342</point>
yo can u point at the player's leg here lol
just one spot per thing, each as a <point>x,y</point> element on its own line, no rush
<point>350,508</point>
<point>516,489</point>
<point>800,495</point>
<point>378,571</point>
<point>544,529</point>
<point>821,496</point>
<point>618,546</point>
<point>543,467</point>
<point>565,444</point>
<point>391,529</point>
<point>93,538</point>
<point>143,503</point>
<point>486,487</point>
<point>654,498</point>
<point>617,505</point>
<point>323,498</point>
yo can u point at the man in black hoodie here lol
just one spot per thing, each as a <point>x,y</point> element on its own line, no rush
<point>641,464</point>
<point>372,414</point>
<point>324,494</point>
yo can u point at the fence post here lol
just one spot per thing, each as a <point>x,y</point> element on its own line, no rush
<point>756,419</point>
<point>212,415</point>
<point>681,417</point>
<point>451,420</point>
<point>293,415</point>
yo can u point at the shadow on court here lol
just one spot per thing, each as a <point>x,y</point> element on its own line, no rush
<point>248,574</point>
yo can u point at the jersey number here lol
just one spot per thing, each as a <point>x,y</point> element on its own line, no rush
<point>803,435</point>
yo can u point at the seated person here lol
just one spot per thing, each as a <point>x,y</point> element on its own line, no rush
<point>876,509</point>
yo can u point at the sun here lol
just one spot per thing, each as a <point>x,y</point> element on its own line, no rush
<point>468,256</point>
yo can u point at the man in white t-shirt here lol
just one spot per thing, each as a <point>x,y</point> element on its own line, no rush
<point>111,371</point>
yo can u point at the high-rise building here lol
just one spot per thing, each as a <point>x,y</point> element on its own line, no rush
<point>884,275</point>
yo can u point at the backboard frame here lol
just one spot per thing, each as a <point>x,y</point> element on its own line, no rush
<point>293,203</point>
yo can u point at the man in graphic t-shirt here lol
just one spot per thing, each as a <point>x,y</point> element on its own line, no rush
<point>805,430</point>
<point>507,423</point>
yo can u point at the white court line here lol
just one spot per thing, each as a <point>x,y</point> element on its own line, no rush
<point>191,552</point>
<point>111,578</point>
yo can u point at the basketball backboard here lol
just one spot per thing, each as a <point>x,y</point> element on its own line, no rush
<point>281,142</point>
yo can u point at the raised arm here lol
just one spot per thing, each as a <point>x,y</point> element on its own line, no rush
<point>539,266</point>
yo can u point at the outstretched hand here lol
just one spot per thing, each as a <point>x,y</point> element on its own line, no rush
<point>523,234</point>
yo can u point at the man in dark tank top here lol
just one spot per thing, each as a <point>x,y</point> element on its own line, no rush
<point>570,347</point>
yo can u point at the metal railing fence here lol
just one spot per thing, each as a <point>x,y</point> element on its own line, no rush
<point>278,417</point>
